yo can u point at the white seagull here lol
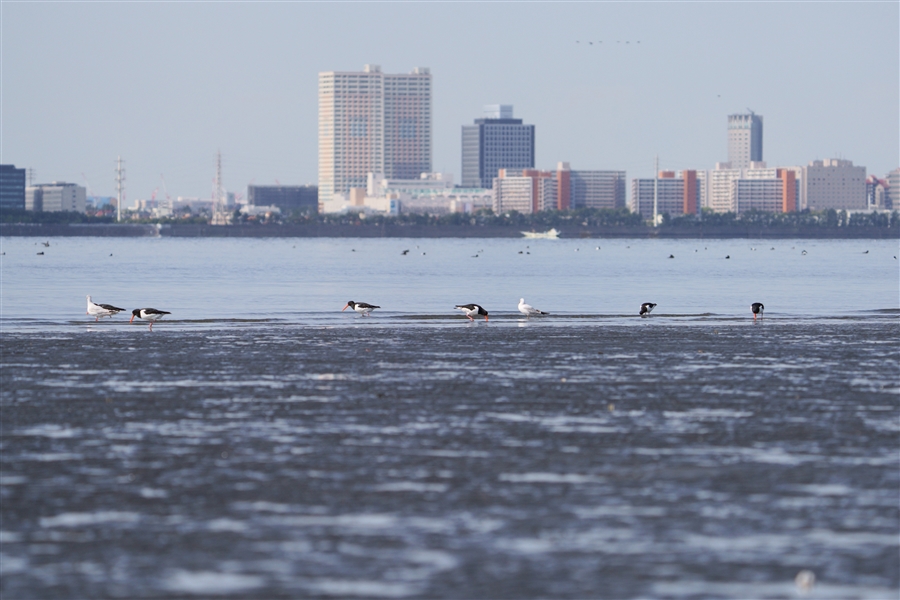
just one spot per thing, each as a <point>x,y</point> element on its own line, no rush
<point>528,310</point>
<point>362,308</point>
<point>101,310</point>
<point>473,310</point>
<point>148,314</point>
<point>646,308</point>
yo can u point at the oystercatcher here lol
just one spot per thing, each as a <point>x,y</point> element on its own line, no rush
<point>528,310</point>
<point>101,310</point>
<point>647,308</point>
<point>472,310</point>
<point>148,314</point>
<point>757,308</point>
<point>362,308</point>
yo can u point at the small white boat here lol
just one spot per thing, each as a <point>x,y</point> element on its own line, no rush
<point>553,234</point>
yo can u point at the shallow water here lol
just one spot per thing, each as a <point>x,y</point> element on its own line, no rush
<point>298,279</point>
<point>483,460</point>
<point>313,453</point>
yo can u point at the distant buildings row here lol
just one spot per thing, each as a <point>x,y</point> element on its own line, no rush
<point>375,147</point>
<point>376,127</point>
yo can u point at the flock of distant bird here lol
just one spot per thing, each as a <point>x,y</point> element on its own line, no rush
<point>363,308</point>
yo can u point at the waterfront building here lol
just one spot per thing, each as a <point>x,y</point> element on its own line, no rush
<point>892,193</point>
<point>55,197</point>
<point>833,183</point>
<point>876,193</point>
<point>675,196</point>
<point>497,141</point>
<point>597,189</point>
<point>722,187</point>
<point>745,140</point>
<point>431,194</point>
<point>770,194</point>
<point>372,122</point>
<point>288,198</point>
<point>564,188</point>
<point>512,192</point>
<point>12,188</point>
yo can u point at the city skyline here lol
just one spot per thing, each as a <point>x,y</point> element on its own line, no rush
<point>235,78</point>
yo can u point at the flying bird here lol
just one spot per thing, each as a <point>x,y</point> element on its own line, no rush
<point>528,310</point>
<point>363,308</point>
<point>148,314</point>
<point>472,310</point>
<point>646,308</point>
<point>101,310</point>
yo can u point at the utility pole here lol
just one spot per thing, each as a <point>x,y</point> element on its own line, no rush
<point>29,173</point>
<point>655,190</point>
<point>120,187</point>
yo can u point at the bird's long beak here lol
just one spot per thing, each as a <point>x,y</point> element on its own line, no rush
<point>131,319</point>
<point>346,306</point>
<point>485,318</point>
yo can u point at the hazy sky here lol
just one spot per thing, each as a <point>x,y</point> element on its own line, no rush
<point>166,85</point>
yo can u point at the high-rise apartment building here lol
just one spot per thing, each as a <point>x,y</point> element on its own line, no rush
<point>372,122</point>
<point>745,140</point>
<point>497,141</point>
<point>12,187</point>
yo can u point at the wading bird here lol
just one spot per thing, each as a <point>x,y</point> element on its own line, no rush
<point>646,308</point>
<point>528,310</point>
<point>148,314</point>
<point>472,310</point>
<point>362,308</point>
<point>101,310</point>
<point>758,309</point>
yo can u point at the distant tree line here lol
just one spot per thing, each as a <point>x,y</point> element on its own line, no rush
<point>13,215</point>
<point>580,217</point>
<point>806,218</point>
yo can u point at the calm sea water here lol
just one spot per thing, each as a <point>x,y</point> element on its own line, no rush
<point>262,444</point>
<point>301,279</point>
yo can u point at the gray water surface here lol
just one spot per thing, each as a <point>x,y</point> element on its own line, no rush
<point>396,459</point>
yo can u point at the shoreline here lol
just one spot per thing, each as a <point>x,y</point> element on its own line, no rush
<point>437,231</point>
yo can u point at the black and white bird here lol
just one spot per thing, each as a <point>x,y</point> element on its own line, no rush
<point>528,310</point>
<point>647,308</point>
<point>101,310</point>
<point>472,311</point>
<point>758,309</point>
<point>148,314</point>
<point>362,308</point>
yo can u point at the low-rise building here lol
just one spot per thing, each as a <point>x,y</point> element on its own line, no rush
<point>288,198</point>
<point>55,197</point>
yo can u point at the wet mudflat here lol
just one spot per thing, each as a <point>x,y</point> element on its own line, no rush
<point>452,460</point>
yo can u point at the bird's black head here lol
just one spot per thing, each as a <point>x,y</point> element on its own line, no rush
<point>351,303</point>
<point>136,312</point>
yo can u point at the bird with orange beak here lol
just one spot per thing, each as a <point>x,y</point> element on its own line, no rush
<point>363,308</point>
